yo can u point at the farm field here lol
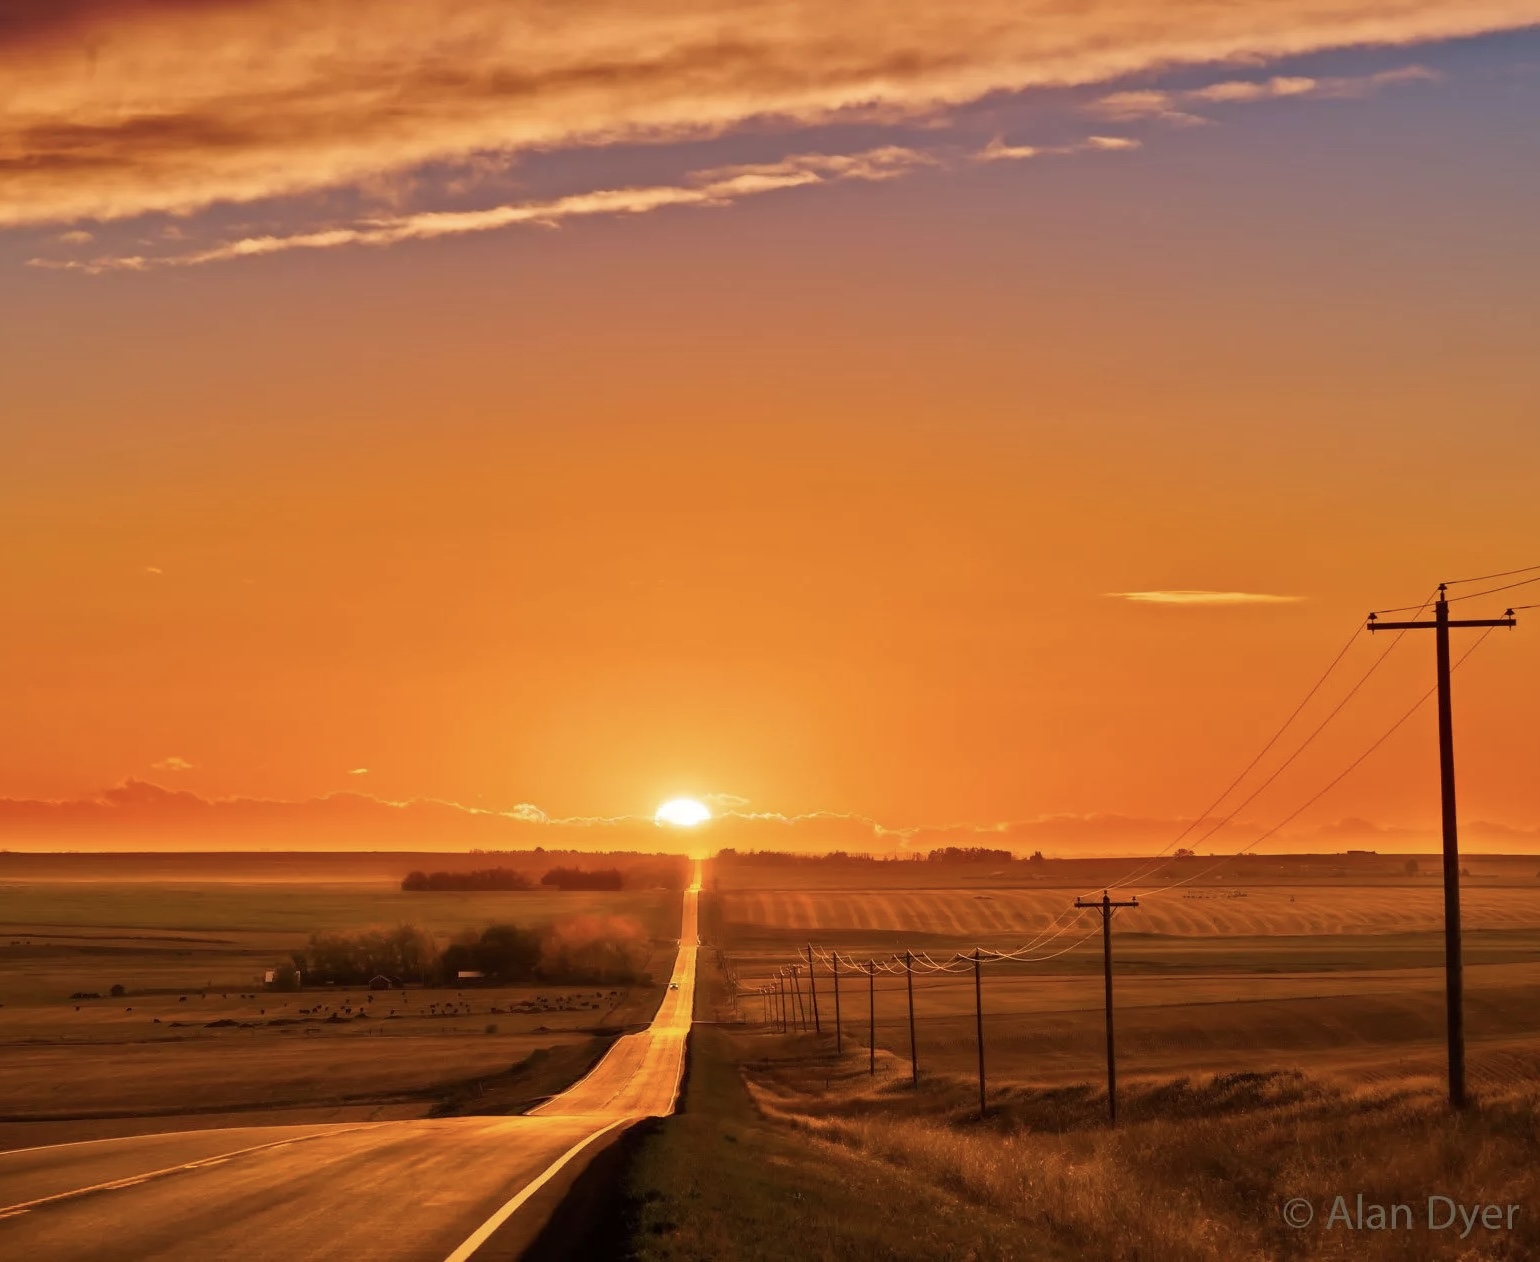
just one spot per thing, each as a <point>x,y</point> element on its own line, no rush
<point>1341,976</point>
<point>195,1040</point>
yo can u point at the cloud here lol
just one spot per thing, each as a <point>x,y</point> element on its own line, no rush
<point>173,763</point>
<point>1168,106</point>
<point>1181,597</point>
<point>138,815</point>
<point>721,186</point>
<point>120,109</point>
<point>724,801</point>
<point>998,151</point>
<point>153,569</point>
<point>359,771</point>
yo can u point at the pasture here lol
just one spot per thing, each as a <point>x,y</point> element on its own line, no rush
<point>1327,964</point>
<point>194,1039</point>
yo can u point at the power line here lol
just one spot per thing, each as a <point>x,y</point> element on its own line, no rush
<point>1308,741</point>
<point>1352,767</point>
<point>1276,737</point>
<point>1482,578</point>
<point>1506,587</point>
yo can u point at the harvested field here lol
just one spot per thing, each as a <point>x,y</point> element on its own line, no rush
<point>194,1035</point>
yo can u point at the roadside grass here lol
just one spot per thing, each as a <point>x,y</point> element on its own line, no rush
<point>786,1150</point>
<point>1198,1171</point>
<point>718,1181</point>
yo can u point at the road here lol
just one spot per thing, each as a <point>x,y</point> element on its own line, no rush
<point>430,1190</point>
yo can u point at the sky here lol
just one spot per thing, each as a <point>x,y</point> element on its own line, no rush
<point>472,423</point>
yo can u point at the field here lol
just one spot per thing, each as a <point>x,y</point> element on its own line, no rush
<point>1331,965</point>
<point>195,1040</point>
<point>1300,1055</point>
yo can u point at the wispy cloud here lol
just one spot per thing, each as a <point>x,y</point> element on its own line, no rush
<point>997,150</point>
<point>1196,597</point>
<point>720,186</point>
<point>122,108</point>
<point>173,763</point>
<point>359,771</point>
<point>1176,106</point>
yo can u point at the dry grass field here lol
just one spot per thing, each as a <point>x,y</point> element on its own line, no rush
<point>1253,1069</point>
<point>1329,964</point>
<point>195,1040</point>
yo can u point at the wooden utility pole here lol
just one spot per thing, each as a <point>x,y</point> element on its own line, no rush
<point>1106,906</point>
<point>812,985</point>
<point>978,1013</point>
<point>914,1055</point>
<point>780,981</point>
<point>839,1029</point>
<point>1454,982</point>
<point>871,1018</point>
<point>796,989</point>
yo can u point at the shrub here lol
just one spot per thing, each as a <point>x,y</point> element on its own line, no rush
<point>117,992</point>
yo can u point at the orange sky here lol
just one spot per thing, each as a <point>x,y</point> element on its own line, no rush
<point>774,428</point>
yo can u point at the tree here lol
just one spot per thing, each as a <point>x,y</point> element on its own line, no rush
<point>286,977</point>
<point>1410,867</point>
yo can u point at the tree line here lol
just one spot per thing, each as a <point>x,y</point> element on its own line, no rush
<point>648,874</point>
<point>594,950</point>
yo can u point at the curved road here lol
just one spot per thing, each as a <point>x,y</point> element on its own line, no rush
<point>431,1190</point>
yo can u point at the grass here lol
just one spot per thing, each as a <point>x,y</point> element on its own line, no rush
<point>1199,1169</point>
<point>785,1149</point>
<point>1280,963</point>
<point>721,1180</point>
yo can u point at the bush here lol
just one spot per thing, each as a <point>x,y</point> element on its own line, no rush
<point>117,992</point>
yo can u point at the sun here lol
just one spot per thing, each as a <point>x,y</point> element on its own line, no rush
<point>682,813</point>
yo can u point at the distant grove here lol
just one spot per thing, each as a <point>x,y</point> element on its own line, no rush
<point>660,873</point>
<point>580,949</point>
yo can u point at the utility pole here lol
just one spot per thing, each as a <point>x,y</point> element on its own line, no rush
<point>914,1055</point>
<point>796,988</point>
<point>780,982</point>
<point>978,1012</point>
<point>871,1018</point>
<point>1106,907</point>
<point>812,985</point>
<point>1454,982</point>
<point>839,1030</point>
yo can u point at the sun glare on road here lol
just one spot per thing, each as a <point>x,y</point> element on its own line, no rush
<point>682,813</point>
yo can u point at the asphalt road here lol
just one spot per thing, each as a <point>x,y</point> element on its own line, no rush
<point>419,1190</point>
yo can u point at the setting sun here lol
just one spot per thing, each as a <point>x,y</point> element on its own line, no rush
<point>682,812</point>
